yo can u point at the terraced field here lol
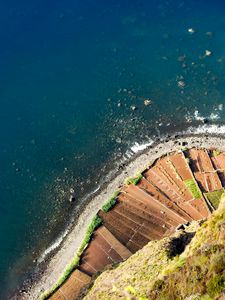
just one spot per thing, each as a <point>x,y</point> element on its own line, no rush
<point>179,187</point>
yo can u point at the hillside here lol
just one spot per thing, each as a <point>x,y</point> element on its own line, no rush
<point>158,272</point>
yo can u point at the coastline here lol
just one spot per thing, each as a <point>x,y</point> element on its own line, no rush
<point>140,161</point>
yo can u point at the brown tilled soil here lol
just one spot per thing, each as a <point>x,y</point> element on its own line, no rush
<point>103,250</point>
<point>200,206</point>
<point>173,176</point>
<point>200,161</point>
<point>162,182</point>
<point>180,164</point>
<point>203,170</point>
<point>218,161</point>
<point>119,248</point>
<point>72,287</point>
<point>149,188</point>
<point>153,208</point>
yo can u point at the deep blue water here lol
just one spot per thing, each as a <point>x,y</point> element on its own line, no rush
<point>64,68</point>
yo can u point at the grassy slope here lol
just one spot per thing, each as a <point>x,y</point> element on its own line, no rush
<point>197,273</point>
<point>137,271</point>
<point>214,197</point>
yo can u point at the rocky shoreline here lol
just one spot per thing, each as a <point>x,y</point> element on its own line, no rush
<point>55,265</point>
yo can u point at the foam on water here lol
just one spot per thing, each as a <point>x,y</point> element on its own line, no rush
<point>198,116</point>
<point>128,155</point>
<point>140,147</point>
<point>57,243</point>
<point>214,115</point>
<point>53,246</point>
<point>209,129</point>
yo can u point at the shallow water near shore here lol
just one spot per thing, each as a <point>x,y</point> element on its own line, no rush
<point>74,78</point>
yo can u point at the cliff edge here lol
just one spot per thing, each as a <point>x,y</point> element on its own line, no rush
<point>190,264</point>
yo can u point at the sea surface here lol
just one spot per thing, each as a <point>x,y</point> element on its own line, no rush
<point>74,77</point>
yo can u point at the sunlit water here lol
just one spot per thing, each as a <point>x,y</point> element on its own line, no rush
<point>73,80</point>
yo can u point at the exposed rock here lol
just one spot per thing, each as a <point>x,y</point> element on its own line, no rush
<point>209,33</point>
<point>182,58</point>
<point>72,195</point>
<point>205,121</point>
<point>181,84</point>
<point>133,107</point>
<point>208,53</point>
<point>191,30</point>
<point>147,102</point>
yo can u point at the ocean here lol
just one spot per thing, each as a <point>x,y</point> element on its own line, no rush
<point>83,85</point>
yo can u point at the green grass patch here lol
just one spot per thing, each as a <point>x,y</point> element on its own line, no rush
<point>193,188</point>
<point>187,160</point>
<point>206,297</point>
<point>175,264</point>
<point>216,153</point>
<point>111,202</point>
<point>183,148</point>
<point>214,197</point>
<point>95,223</point>
<point>215,285</point>
<point>134,180</point>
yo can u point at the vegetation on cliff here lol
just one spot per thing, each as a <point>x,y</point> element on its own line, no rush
<point>187,265</point>
<point>111,202</point>
<point>193,188</point>
<point>133,180</point>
